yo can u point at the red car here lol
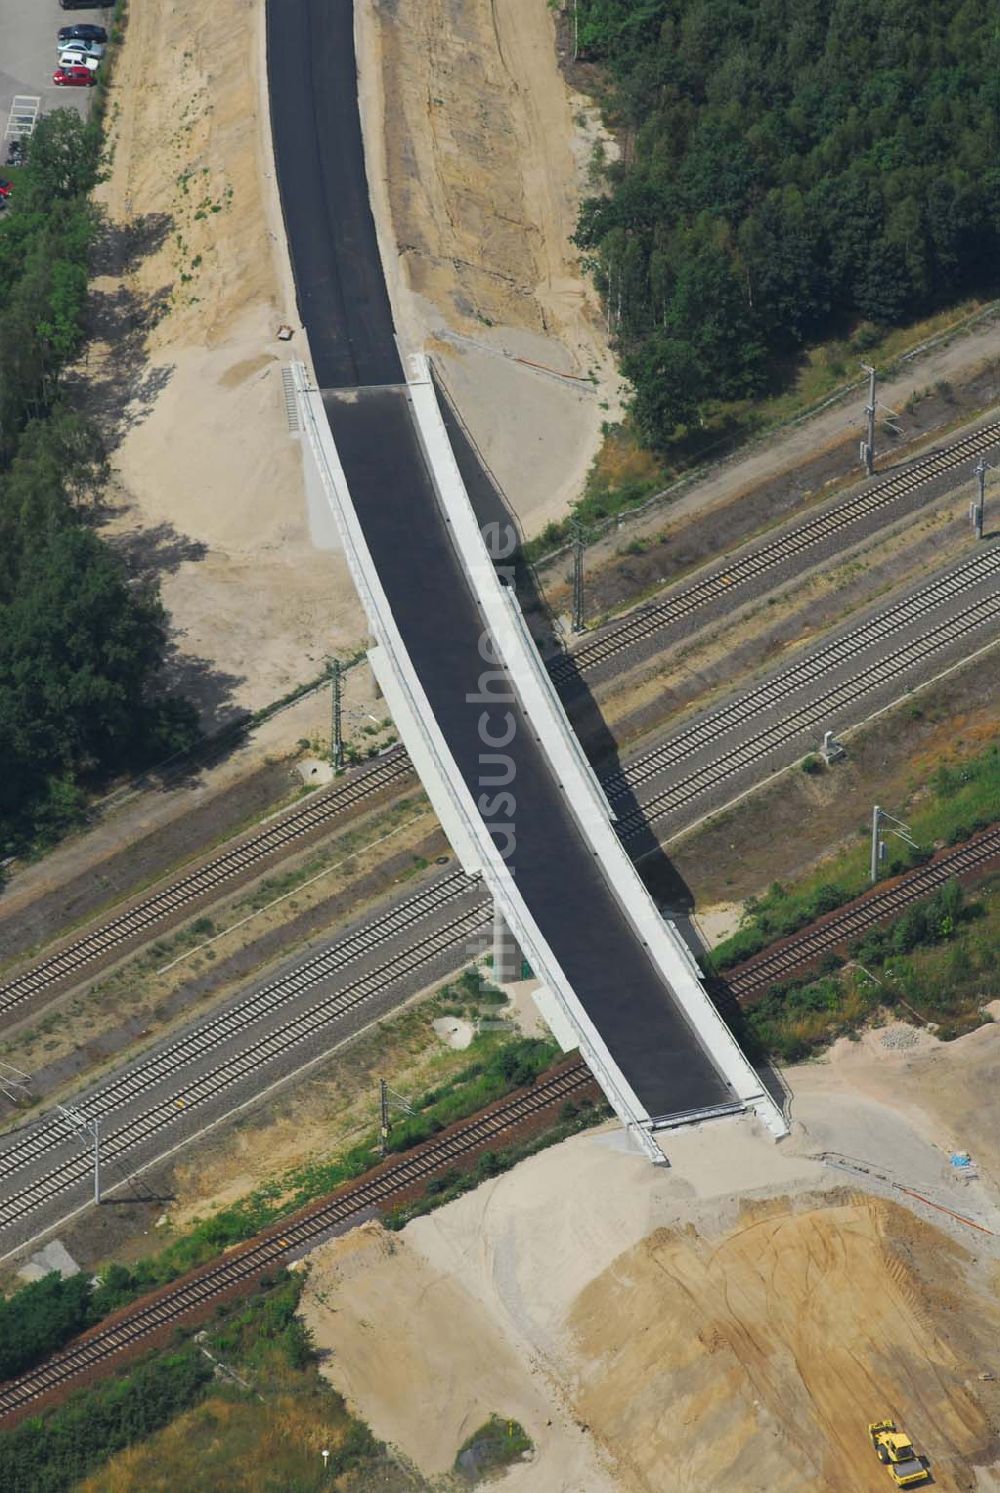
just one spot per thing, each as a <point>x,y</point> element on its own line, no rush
<point>74,77</point>
<point>6,187</point>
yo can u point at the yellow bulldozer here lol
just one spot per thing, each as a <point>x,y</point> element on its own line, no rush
<point>894,1450</point>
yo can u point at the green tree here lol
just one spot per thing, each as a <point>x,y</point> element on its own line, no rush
<point>64,161</point>
<point>668,382</point>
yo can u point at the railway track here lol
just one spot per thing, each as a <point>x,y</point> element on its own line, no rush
<point>164,1069</point>
<point>175,900</point>
<point>34,1143</point>
<point>843,650</point>
<point>820,710</point>
<point>394,1181</point>
<point>800,950</point>
<point>249,855</point>
<point>727,580</point>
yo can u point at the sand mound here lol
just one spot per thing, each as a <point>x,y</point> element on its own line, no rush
<point>755,1360</point>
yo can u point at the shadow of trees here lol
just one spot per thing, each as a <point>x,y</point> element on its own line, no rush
<point>117,388</point>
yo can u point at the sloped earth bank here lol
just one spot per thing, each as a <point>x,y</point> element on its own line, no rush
<point>186,371</point>
<point>732,1322</point>
<point>477,156</point>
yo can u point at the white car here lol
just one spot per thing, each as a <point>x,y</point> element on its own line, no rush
<point>92,48</point>
<point>73,58</point>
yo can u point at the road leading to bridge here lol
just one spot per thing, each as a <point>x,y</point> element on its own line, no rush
<point>342,299</point>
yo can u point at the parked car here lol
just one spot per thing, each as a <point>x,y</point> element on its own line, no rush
<point>72,58</point>
<point>74,77</point>
<point>16,153</point>
<point>83,31</point>
<point>80,44</point>
<point>77,4</point>
<point>6,187</point>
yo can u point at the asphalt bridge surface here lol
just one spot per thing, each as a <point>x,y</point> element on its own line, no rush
<point>344,305</point>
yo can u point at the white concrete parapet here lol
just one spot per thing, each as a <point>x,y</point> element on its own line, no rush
<point>571,769</point>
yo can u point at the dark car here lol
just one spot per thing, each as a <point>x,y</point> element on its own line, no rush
<point>83,32</point>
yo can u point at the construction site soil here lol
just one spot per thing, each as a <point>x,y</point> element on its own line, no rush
<point>733,1321</point>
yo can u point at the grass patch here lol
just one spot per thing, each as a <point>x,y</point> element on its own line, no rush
<point>242,1399</point>
<point>938,962</point>
<point>959,799</point>
<point>493,1447</point>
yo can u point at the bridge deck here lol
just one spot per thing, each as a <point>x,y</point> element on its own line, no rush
<point>345,308</point>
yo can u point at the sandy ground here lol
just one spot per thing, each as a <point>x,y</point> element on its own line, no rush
<point>210,485</point>
<point>733,1321</point>
<point>477,157</point>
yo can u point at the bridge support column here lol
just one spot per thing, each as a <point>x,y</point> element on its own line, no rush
<point>507,957</point>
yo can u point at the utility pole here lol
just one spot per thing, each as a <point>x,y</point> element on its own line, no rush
<point>15,1085</point>
<point>336,728</point>
<point>384,1115</point>
<point>579,625</point>
<point>97,1159</point>
<point>92,1128</point>
<point>977,508</point>
<point>868,445</point>
<point>895,827</point>
<point>386,1098</point>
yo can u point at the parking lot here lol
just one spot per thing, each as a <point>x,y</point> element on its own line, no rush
<point>28,55</point>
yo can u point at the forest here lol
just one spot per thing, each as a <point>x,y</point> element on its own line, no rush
<point>80,646</point>
<point>790,169</point>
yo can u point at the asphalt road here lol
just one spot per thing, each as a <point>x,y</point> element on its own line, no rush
<point>343,304</point>
<point>28,55</point>
<point>316,126</point>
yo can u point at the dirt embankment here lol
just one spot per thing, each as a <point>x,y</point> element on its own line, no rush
<point>477,159</point>
<point>754,1360</point>
<point>185,369</point>
<point>734,1321</point>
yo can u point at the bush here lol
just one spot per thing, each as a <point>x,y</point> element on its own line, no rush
<point>494,1446</point>
<point>49,1454</point>
<point>39,1318</point>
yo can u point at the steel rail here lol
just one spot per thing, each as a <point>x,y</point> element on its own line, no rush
<point>275,837</point>
<point>819,709</point>
<point>33,1144</point>
<point>726,580</point>
<point>130,925</point>
<point>799,950</point>
<point>798,675</point>
<point>390,1182</point>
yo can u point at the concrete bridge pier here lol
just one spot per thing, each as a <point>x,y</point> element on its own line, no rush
<point>508,959</point>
